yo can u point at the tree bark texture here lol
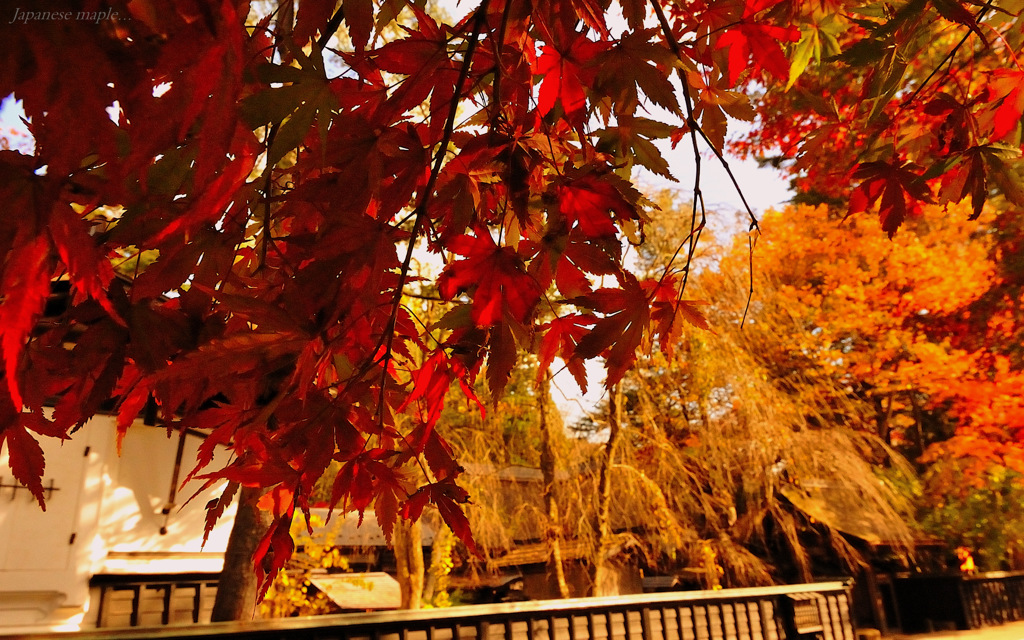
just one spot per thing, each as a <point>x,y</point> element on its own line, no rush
<point>236,591</point>
<point>548,464</point>
<point>601,569</point>
<point>408,545</point>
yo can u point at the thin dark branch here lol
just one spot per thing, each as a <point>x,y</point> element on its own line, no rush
<point>695,130</point>
<point>267,184</point>
<point>499,43</point>
<point>421,207</point>
<point>698,196</point>
<point>420,296</point>
<point>331,27</point>
<point>949,57</point>
<point>751,241</point>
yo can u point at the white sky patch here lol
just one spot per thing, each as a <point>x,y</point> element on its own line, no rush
<point>114,112</point>
<point>12,114</point>
<point>162,88</point>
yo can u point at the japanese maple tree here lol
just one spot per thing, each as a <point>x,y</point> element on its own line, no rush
<point>235,199</point>
<point>911,104</point>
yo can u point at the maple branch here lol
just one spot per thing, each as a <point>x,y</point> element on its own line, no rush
<point>421,207</point>
<point>499,42</point>
<point>948,58</point>
<point>751,241</point>
<point>415,316</point>
<point>695,129</point>
<point>331,27</point>
<point>698,196</point>
<point>271,134</point>
<point>732,178</point>
<point>421,296</point>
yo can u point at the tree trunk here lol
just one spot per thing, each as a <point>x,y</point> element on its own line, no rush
<point>600,576</point>
<point>883,417</point>
<point>918,429</point>
<point>548,465</point>
<point>435,589</point>
<point>236,591</point>
<point>408,545</point>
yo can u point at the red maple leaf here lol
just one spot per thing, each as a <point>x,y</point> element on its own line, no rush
<point>272,552</point>
<point>25,458</point>
<point>431,383</point>
<point>215,508</point>
<point>497,277</point>
<point>88,268</point>
<point>1007,88</point>
<point>898,187</point>
<point>26,285</point>
<point>593,202</point>
<point>448,498</point>
<point>561,338</point>
<point>667,309</point>
<point>566,74</point>
<point>759,45</point>
<point>618,333</point>
<point>423,58</point>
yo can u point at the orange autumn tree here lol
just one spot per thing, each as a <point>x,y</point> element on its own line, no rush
<point>235,197</point>
<point>883,323</point>
<point>873,311</point>
<point>878,316</point>
<point>935,119</point>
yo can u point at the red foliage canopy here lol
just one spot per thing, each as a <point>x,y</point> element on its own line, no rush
<point>236,198</point>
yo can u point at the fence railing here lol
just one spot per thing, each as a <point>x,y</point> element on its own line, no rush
<point>771,613</point>
<point>925,602</point>
<point>993,598</point>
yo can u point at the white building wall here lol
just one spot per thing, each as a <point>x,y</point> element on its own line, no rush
<point>104,516</point>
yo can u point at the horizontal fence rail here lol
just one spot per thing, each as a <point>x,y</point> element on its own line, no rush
<point>770,613</point>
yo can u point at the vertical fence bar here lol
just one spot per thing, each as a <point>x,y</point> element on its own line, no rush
<point>700,623</point>
<point>743,622</point>
<point>687,625</point>
<point>717,623</point>
<point>729,621</point>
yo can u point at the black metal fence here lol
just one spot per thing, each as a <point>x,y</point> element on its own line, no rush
<point>993,598</point>
<point>790,612</point>
<point>961,601</point>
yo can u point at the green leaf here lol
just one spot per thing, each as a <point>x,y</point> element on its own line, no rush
<point>865,53</point>
<point>292,132</point>
<point>887,81</point>
<point>277,73</point>
<point>1005,177</point>
<point>649,156</point>
<point>273,105</point>
<point>808,47</point>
